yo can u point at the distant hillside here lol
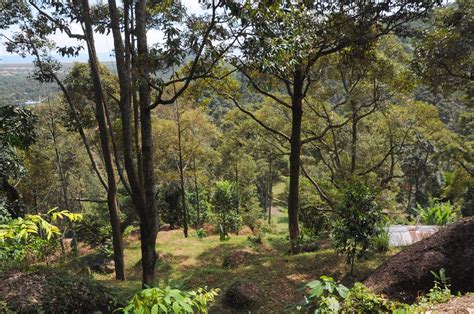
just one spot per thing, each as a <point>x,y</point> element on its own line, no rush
<point>17,86</point>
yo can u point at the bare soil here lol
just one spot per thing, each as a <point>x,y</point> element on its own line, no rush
<point>407,274</point>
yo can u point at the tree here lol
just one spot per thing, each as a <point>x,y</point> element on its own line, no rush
<point>184,137</point>
<point>359,221</point>
<point>282,46</point>
<point>224,204</point>
<point>16,131</point>
<point>443,55</point>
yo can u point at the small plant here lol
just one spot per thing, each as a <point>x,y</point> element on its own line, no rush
<point>361,300</point>
<point>201,233</point>
<point>167,299</point>
<point>255,239</point>
<point>437,213</point>
<point>323,296</point>
<point>380,242</point>
<point>32,235</point>
<point>440,293</point>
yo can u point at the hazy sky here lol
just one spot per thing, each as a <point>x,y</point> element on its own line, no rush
<point>104,44</point>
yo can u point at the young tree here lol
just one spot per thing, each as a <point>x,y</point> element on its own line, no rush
<point>16,131</point>
<point>224,204</point>
<point>360,220</point>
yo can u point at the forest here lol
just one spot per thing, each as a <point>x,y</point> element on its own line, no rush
<point>253,157</point>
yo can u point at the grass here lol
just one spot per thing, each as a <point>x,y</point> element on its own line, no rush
<point>197,263</point>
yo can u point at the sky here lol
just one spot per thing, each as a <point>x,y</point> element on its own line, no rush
<point>104,43</point>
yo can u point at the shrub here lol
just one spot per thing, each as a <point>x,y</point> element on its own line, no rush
<point>167,299</point>
<point>437,213</point>
<point>380,242</point>
<point>359,220</point>
<point>224,205</point>
<point>361,300</point>
<point>251,217</point>
<point>201,233</point>
<point>96,231</point>
<point>198,215</point>
<point>32,235</point>
<point>440,293</point>
<point>322,296</point>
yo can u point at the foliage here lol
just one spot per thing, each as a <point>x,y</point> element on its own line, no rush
<point>17,131</point>
<point>359,220</point>
<point>361,300</point>
<point>167,299</point>
<point>32,234</point>
<point>224,205</point>
<point>322,296</point>
<point>443,56</point>
<point>438,213</point>
<point>440,293</point>
<point>95,230</point>
<point>201,233</point>
<point>380,242</point>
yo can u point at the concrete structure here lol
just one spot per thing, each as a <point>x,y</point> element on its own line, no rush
<point>400,235</point>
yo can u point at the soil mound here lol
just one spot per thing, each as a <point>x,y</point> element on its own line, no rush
<point>46,290</point>
<point>241,295</point>
<point>407,274</point>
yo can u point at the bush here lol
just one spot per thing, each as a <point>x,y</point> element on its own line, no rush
<point>440,293</point>
<point>251,217</point>
<point>380,242</point>
<point>167,299</point>
<point>322,296</point>
<point>359,221</point>
<point>96,231</point>
<point>201,233</point>
<point>32,236</point>
<point>361,300</point>
<point>52,290</point>
<point>437,213</point>
<point>224,205</point>
<point>198,215</point>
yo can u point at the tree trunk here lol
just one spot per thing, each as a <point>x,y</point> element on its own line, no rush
<point>181,176</point>
<point>354,137</point>
<point>270,191</point>
<point>196,189</point>
<point>105,146</point>
<point>295,152</point>
<point>149,223</point>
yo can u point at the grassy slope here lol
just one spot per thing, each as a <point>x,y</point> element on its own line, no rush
<point>197,263</point>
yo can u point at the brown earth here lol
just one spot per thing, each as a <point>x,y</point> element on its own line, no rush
<point>457,305</point>
<point>407,274</point>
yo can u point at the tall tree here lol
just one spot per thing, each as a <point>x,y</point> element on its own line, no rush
<point>284,42</point>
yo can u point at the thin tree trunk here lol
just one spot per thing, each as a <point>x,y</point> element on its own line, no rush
<point>196,191</point>
<point>409,196</point>
<point>181,174</point>
<point>270,191</point>
<point>117,240</point>
<point>295,152</point>
<point>354,137</point>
